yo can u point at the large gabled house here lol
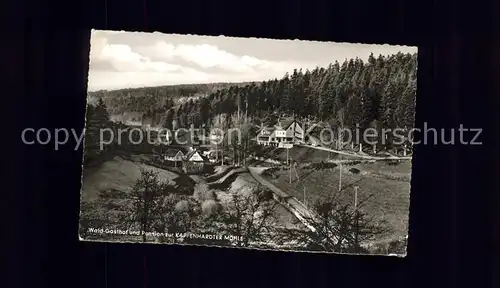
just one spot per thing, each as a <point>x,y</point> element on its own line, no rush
<point>195,161</point>
<point>189,158</point>
<point>295,131</point>
<point>266,136</point>
<point>173,155</point>
<point>283,132</point>
<point>196,156</point>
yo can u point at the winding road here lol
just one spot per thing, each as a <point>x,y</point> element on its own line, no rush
<point>292,204</point>
<point>222,179</point>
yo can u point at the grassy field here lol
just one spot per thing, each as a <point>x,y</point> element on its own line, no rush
<point>118,174</point>
<point>380,168</point>
<point>389,199</point>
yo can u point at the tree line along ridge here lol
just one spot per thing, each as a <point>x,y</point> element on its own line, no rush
<point>377,93</point>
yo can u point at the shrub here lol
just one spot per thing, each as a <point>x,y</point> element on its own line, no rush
<point>265,195</point>
<point>271,172</point>
<point>354,170</point>
<point>323,165</point>
<point>182,206</point>
<point>393,162</point>
<point>210,207</point>
<point>398,246</point>
<point>203,195</point>
<point>210,195</point>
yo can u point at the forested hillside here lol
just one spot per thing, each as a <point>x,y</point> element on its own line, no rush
<point>379,93</point>
<point>153,102</point>
<point>97,150</point>
<point>97,118</point>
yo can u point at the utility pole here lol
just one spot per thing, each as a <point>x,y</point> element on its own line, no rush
<point>237,153</point>
<point>305,127</point>
<point>305,203</point>
<point>222,154</point>
<point>340,176</point>
<point>296,173</point>
<point>216,153</point>
<point>356,238</point>
<point>287,153</point>
<point>245,149</point>
<point>356,198</point>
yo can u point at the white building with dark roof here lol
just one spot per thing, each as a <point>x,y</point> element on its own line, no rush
<point>283,132</point>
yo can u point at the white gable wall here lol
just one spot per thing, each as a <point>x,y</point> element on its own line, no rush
<point>196,157</point>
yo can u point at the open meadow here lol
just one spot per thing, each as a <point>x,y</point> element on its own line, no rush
<point>388,198</point>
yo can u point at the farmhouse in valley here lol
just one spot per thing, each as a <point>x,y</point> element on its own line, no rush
<point>195,161</point>
<point>189,158</point>
<point>174,155</point>
<point>196,156</point>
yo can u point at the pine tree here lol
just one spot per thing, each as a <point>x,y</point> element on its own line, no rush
<point>101,114</point>
<point>169,118</point>
<point>204,112</point>
<point>353,108</point>
<point>147,195</point>
<point>409,94</point>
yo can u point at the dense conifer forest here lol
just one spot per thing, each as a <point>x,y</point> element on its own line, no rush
<point>377,93</point>
<point>154,102</point>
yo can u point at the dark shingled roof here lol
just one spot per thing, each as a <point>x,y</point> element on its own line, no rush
<point>285,123</point>
<point>171,152</point>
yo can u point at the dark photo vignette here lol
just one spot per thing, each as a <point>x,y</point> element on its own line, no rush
<point>42,232</point>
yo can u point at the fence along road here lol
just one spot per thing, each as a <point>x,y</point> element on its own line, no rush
<point>355,155</point>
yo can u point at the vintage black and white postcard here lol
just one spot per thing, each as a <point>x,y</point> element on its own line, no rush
<point>249,143</point>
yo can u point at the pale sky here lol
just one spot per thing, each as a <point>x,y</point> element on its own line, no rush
<point>121,59</point>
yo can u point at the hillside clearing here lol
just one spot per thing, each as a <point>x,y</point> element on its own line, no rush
<point>389,200</point>
<point>116,174</point>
